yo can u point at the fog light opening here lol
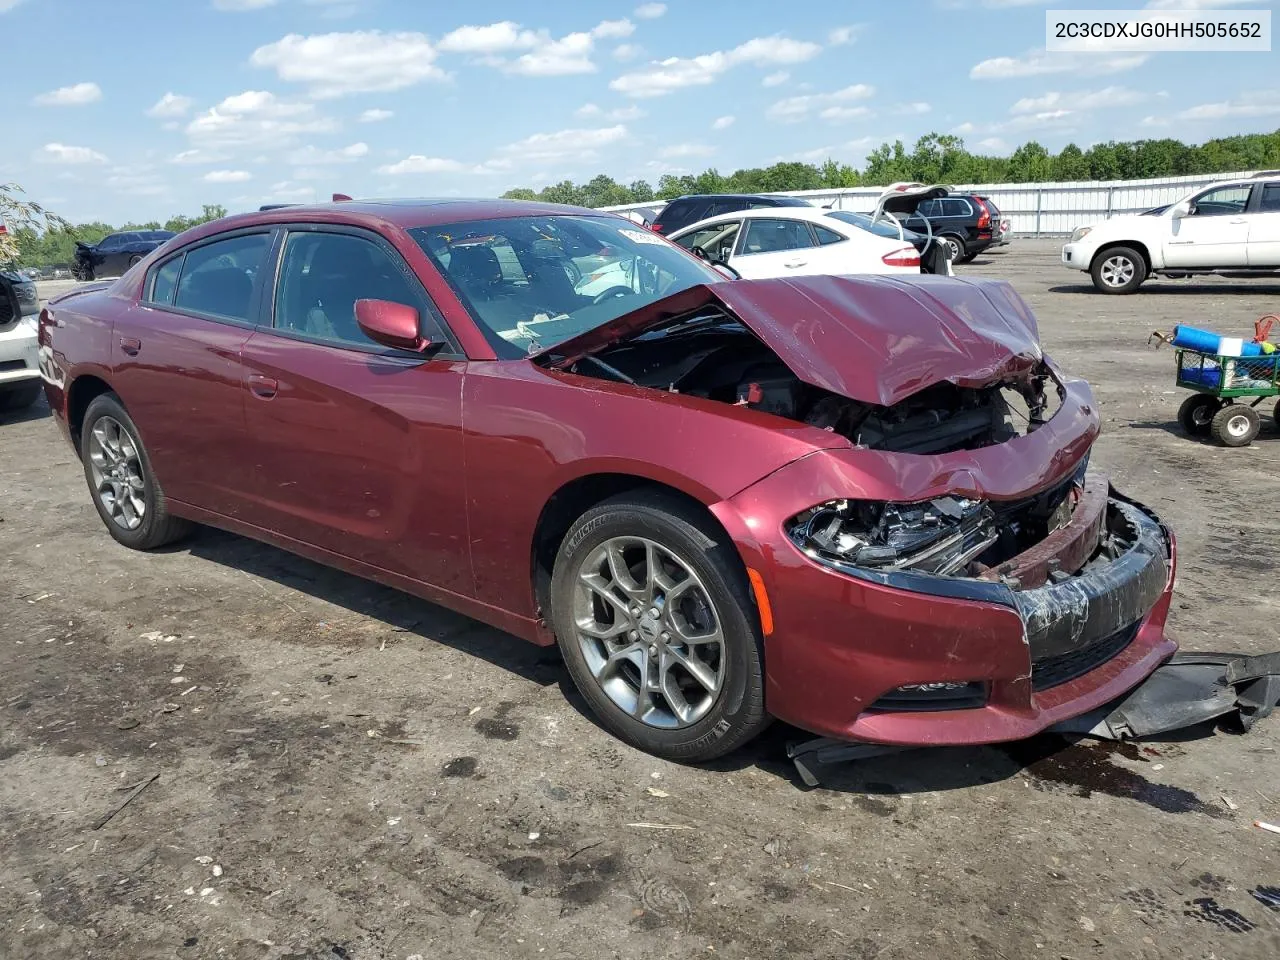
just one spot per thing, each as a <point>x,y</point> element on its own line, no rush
<point>940,695</point>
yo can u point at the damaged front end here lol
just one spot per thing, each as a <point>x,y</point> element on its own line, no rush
<point>1081,565</point>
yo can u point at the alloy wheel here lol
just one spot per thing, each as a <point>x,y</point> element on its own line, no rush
<point>649,632</point>
<point>1117,271</point>
<point>115,466</point>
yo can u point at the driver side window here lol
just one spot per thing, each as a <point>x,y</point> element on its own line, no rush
<point>717,240</point>
<point>1224,201</point>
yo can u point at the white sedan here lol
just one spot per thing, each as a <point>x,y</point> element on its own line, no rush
<point>794,241</point>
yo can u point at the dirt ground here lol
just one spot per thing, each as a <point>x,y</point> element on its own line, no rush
<point>346,773</point>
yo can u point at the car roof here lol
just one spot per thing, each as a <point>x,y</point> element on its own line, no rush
<point>405,213</point>
<point>809,213</point>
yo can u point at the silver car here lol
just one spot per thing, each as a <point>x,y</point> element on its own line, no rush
<point>19,357</point>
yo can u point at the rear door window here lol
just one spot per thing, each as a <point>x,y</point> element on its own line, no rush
<point>771,236</point>
<point>1270,200</point>
<point>218,278</point>
<point>825,236</point>
<point>164,280</point>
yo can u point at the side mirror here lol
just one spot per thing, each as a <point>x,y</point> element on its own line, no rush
<point>391,324</point>
<point>1180,210</point>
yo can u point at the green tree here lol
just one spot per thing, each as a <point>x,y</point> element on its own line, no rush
<point>837,175</point>
<point>1030,163</point>
<point>520,193</point>
<point>1070,164</point>
<point>19,214</point>
<point>641,192</point>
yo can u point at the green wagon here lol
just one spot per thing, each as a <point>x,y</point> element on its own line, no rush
<point>1227,392</point>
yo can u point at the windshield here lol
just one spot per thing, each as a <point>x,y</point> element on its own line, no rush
<point>881,228</point>
<point>533,282</point>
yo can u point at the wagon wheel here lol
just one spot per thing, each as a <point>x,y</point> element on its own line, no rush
<point>1236,425</point>
<point>1197,412</point>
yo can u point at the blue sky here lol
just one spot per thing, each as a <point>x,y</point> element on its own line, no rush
<point>148,108</point>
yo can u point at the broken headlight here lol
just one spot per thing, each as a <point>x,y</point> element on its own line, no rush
<point>939,536</point>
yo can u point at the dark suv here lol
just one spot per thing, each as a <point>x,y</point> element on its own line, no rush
<point>682,211</point>
<point>966,222</point>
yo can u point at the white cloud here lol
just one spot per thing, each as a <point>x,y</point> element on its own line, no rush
<point>569,55</point>
<point>7,5</point>
<point>256,118</point>
<point>76,95</point>
<point>417,163</point>
<point>1037,63</point>
<point>678,150</point>
<point>994,144</point>
<point>170,105</point>
<point>588,110</point>
<point>376,115</point>
<point>61,153</point>
<point>775,79</point>
<point>198,156</point>
<point>833,106</point>
<point>498,37</point>
<point>722,123</point>
<point>627,51</point>
<point>286,190</point>
<point>314,155</point>
<point>663,77</point>
<point>915,108</point>
<point>854,149</point>
<point>839,36</point>
<point>227,176</point>
<point>650,11</point>
<point>363,61</point>
<point>613,29</point>
<point>582,144</point>
<point>1262,103</point>
<point>238,5</point>
<point>1154,122</point>
<point>1080,100</point>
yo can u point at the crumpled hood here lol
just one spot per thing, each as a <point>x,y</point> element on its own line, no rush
<point>873,339</point>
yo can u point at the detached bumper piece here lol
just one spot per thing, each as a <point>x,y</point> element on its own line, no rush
<point>1188,690</point>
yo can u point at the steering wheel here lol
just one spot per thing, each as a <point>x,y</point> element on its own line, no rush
<point>618,290</point>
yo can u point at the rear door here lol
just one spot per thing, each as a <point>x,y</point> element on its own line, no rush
<point>775,248</point>
<point>1264,226</point>
<point>1216,231</point>
<point>176,366</point>
<point>353,447</point>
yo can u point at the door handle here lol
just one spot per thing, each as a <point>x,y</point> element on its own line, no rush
<point>1238,220</point>
<point>130,345</point>
<point>263,387</point>
<point>795,263</point>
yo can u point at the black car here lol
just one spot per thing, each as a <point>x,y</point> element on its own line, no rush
<point>116,252</point>
<point>682,211</point>
<point>963,221</point>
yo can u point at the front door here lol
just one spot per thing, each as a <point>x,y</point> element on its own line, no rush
<point>356,448</point>
<point>1215,233</point>
<point>176,366</point>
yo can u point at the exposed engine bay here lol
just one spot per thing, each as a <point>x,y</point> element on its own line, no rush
<point>713,356</point>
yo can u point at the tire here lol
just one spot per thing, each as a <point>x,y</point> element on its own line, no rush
<point>119,446</point>
<point>134,261</point>
<point>707,720</point>
<point>1236,425</point>
<point>19,398</point>
<point>1197,412</point>
<point>1118,270</point>
<point>968,258</point>
<point>957,247</point>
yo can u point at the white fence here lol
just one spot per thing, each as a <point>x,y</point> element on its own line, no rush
<point>1036,209</point>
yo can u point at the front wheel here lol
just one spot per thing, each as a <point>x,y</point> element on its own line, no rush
<point>652,612</point>
<point>1236,425</point>
<point>1197,412</point>
<point>1118,270</point>
<point>124,488</point>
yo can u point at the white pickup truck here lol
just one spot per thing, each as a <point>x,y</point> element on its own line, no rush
<point>1229,227</point>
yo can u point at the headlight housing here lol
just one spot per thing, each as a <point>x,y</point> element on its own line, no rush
<point>1079,233</point>
<point>939,536</point>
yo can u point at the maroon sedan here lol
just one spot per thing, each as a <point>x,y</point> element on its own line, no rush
<point>861,505</point>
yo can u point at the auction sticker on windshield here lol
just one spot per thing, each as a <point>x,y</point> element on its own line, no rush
<point>643,236</point>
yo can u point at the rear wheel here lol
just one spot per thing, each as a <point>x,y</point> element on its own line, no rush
<point>135,260</point>
<point>955,247</point>
<point>1197,412</point>
<point>19,398</point>
<point>1118,270</point>
<point>1236,425</point>
<point>653,615</point>
<point>124,488</point>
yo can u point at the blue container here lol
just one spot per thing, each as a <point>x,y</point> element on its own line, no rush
<point>1205,341</point>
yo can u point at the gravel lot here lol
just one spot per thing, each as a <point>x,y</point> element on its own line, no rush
<point>345,772</point>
